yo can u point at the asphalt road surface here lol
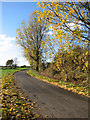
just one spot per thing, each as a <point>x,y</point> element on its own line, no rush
<point>53,101</point>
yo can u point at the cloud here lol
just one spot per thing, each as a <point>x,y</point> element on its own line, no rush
<point>74,26</point>
<point>22,61</point>
<point>6,42</point>
<point>4,37</point>
<point>9,50</point>
<point>47,33</point>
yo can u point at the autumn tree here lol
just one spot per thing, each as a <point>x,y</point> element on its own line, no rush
<point>70,25</point>
<point>71,17</point>
<point>31,37</point>
<point>69,22</point>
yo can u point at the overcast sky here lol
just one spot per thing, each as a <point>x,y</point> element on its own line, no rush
<point>12,14</point>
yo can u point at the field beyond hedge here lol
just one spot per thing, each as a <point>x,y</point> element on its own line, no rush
<point>4,71</point>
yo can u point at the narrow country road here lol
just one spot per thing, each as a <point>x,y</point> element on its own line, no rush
<point>53,101</point>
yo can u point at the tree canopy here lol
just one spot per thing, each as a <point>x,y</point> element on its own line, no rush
<point>71,17</point>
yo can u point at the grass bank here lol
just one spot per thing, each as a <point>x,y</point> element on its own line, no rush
<point>66,85</point>
<point>15,105</point>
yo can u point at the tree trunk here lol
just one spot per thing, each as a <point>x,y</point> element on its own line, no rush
<point>37,67</point>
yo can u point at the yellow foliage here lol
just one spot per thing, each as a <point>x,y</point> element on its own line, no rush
<point>86,63</point>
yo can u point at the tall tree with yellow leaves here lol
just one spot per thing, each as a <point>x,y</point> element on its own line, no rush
<point>30,37</point>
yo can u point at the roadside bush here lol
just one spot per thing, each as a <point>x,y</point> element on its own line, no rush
<point>70,66</point>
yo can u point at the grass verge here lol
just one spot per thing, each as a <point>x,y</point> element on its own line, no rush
<point>66,85</point>
<point>15,105</point>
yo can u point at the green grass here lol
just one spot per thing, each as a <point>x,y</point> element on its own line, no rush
<point>66,85</point>
<point>7,71</point>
